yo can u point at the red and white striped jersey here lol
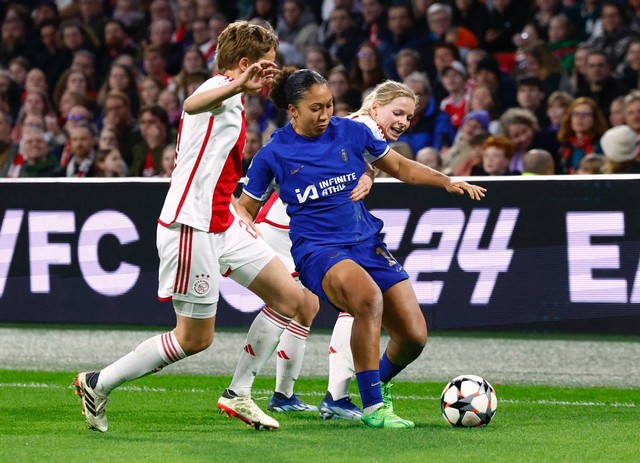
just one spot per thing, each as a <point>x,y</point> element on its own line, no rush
<point>208,164</point>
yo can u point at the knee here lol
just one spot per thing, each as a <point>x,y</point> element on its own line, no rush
<point>369,306</point>
<point>193,344</point>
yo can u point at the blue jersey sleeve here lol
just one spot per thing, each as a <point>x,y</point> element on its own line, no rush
<point>260,175</point>
<point>373,147</point>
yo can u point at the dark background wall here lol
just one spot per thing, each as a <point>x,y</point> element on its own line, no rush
<point>558,254</point>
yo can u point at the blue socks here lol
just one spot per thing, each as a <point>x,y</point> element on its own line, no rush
<point>388,370</point>
<point>369,385</point>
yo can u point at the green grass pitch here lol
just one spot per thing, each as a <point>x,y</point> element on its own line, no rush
<point>172,418</point>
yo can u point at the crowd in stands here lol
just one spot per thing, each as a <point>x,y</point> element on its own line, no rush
<point>506,87</point>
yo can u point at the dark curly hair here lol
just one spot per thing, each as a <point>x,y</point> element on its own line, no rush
<point>292,84</point>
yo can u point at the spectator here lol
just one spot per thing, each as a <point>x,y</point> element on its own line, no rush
<point>85,61</point>
<point>367,71</point>
<point>472,15</point>
<point>374,25</point>
<point>473,123</point>
<point>77,115</point>
<point>215,26</point>
<point>538,162</point>
<point>541,63</point>
<point>616,31</point>
<point>407,61</point>
<point>580,133</point>
<point>343,37</point>
<point>129,13</point>
<point>521,127</point>
<point>74,81</point>
<point>186,12</point>
<point>168,161</point>
<point>442,29</point>
<point>147,154</point>
<point>149,90</point>
<point>586,16</point>
<point>506,18</point>
<point>430,126</point>
<point>192,60</point>
<point>83,153</point>
<point>93,17</point>
<point>13,37</point>
<point>251,147</point>
<point>591,164</point>
<point>482,98</point>
<point>169,101</point>
<point>49,54</point>
<point>74,36</point>
<point>628,71</point>
<point>602,87</point>
<point>109,163</point>
<point>444,54</point>
<point>578,77</point>
<point>562,42</point>
<point>18,69</point>
<point>620,149</point>
<point>544,11</point>
<point>472,59</point>
<point>68,100</point>
<point>160,35</point>
<point>557,106</point>
<point>117,114</point>
<point>108,138</point>
<point>341,89</point>
<point>154,64</point>
<point>401,36</point>
<point>496,156</point>
<point>8,149</point>
<point>267,10</point>
<point>632,110</point>
<point>36,80</point>
<point>531,96</point>
<point>430,158</point>
<point>473,164</point>
<point>120,78</point>
<point>455,104</point>
<point>297,26</point>
<point>488,72</point>
<point>38,161</point>
<point>319,59</point>
<point>116,42</point>
<point>616,112</point>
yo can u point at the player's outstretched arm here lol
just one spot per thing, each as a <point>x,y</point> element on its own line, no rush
<point>415,173</point>
<point>253,77</point>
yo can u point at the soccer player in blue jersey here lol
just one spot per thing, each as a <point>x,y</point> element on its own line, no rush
<point>317,160</point>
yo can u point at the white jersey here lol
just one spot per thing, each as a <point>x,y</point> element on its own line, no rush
<point>208,164</point>
<point>274,211</point>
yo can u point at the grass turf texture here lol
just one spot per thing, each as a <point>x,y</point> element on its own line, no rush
<point>173,418</point>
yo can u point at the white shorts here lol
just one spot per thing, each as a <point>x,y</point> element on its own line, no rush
<point>192,260</point>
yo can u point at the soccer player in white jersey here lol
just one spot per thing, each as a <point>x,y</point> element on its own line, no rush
<point>387,118</point>
<point>200,234</point>
<point>336,243</point>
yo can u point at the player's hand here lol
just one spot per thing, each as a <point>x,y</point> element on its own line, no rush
<point>475,192</point>
<point>362,188</point>
<point>258,75</point>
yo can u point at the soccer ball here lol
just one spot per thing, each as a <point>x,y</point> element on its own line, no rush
<point>468,401</point>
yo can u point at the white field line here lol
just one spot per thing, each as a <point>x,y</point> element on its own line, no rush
<point>266,394</point>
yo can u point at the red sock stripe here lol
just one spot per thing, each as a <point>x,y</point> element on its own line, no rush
<point>169,349</point>
<point>345,315</point>
<point>276,317</point>
<point>298,330</point>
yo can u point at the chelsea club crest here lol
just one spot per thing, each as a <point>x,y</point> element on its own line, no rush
<point>344,155</point>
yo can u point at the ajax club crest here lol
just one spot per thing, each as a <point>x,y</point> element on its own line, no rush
<point>201,285</point>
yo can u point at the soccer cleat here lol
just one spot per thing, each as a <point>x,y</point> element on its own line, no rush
<point>384,418</point>
<point>386,394</point>
<point>281,403</point>
<point>93,404</point>
<point>341,409</point>
<point>245,409</point>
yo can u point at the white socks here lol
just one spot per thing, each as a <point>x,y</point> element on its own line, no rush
<point>341,368</point>
<point>262,339</point>
<point>149,357</point>
<point>290,354</point>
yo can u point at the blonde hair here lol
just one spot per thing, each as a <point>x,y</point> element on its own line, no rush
<point>384,93</point>
<point>244,39</point>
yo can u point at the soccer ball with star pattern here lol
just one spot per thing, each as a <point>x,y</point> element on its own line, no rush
<point>468,401</point>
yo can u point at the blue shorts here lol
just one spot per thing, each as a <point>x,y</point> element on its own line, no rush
<point>372,255</point>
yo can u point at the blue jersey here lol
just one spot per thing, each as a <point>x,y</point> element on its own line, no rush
<point>316,176</point>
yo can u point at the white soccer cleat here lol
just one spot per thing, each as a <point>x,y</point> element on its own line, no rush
<point>93,404</point>
<point>245,409</point>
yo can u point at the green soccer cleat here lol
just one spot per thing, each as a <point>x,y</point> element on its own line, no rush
<point>386,419</point>
<point>386,394</point>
